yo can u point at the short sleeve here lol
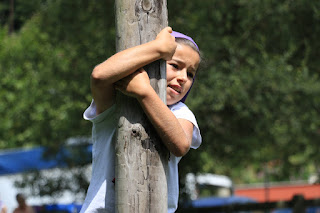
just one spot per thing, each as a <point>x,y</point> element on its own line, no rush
<point>180,110</point>
<point>90,113</point>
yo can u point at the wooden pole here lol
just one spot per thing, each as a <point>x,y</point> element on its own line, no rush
<point>141,158</point>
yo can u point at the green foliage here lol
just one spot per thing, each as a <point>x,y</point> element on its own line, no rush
<point>21,10</point>
<point>257,100</point>
<point>45,73</point>
<point>33,91</point>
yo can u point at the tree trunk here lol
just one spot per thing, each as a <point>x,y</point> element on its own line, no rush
<point>141,158</point>
<point>11,17</point>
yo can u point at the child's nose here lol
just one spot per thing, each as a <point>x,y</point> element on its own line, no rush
<point>183,76</point>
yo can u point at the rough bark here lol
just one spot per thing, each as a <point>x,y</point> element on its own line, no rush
<point>141,158</point>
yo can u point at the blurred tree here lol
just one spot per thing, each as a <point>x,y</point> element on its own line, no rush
<point>45,74</point>
<point>257,100</point>
<point>15,13</point>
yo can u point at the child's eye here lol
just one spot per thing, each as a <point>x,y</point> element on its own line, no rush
<point>190,74</point>
<point>174,66</point>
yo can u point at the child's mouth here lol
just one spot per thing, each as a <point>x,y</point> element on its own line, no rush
<point>175,88</point>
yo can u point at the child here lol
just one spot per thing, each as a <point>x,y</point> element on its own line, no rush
<point>175,123</point>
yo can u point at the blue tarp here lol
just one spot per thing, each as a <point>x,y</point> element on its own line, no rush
<point>58,208</point>
<point>22,160</point>
<point>208,202</point>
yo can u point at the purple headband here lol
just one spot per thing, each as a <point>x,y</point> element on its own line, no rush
<point>180,35</point>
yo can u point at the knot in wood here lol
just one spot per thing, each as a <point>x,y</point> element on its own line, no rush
<point>136,132</point>
<point>146,5</point>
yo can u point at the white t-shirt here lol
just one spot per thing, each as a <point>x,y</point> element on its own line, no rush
<point>101,195</point>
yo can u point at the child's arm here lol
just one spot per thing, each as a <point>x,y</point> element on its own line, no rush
<point>175,133</point>
<point>126,62</point>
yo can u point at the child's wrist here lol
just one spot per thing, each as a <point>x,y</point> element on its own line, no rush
<point>159,48</point>
<point>147,93</point>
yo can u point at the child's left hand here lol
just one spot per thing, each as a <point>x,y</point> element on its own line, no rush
<point>135,85</point>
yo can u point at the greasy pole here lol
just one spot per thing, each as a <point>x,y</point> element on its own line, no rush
<point>141,158</point>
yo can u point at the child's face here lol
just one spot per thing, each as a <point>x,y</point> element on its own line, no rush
<point>180,72</point>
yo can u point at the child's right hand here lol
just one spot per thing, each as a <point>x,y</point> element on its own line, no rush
<point>167,43</point>
<point>135,85</point>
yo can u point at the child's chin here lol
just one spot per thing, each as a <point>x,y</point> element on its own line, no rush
<point>171,102</point>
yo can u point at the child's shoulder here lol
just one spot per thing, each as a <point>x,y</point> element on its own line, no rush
<point>91,113</point>
<point>181,110</point>
<point>178,106</point>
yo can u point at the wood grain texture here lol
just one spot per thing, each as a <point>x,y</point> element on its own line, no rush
<point>141,158</point>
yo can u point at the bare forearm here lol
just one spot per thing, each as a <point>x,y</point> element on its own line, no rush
<point>117,67</point>
<point>126,62</point>
<point>168,127</point>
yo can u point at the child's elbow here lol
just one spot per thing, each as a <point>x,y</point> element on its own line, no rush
<point>96,74</point>
<point>181,150</point>
<point>98,77</point>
